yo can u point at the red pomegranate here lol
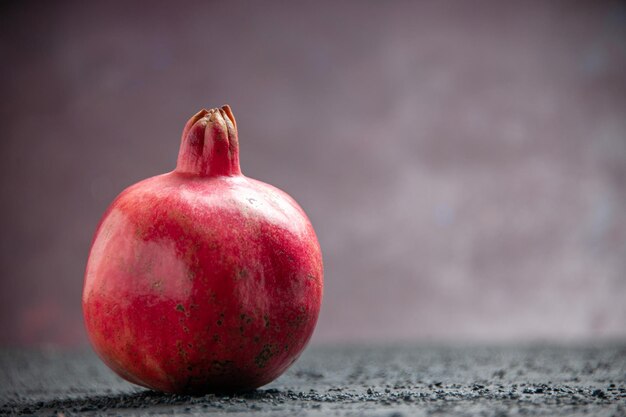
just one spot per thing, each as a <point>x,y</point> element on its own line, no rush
<point>203,279</point>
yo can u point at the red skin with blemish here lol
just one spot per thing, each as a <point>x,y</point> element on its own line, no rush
<point>202,279</point>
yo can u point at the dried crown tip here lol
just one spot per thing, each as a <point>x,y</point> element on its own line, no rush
<point>223,111</point>
<point>209,145</point>
<point>212,116</point>
<point>229,113</point>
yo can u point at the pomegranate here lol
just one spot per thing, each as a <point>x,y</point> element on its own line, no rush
<point>202,279</point>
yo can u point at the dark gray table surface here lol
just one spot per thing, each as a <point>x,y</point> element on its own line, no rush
<point>378,381</point>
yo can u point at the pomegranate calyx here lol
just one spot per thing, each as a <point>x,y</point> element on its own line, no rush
<point>209,145</point>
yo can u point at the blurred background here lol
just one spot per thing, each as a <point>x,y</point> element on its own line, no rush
<point>463,163</point>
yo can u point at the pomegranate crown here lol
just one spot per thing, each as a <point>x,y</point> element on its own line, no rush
<point>209,146</point>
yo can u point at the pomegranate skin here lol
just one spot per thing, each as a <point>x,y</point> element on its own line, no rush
<point>202,279</point>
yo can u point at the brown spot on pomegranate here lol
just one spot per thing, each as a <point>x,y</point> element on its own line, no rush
<point>266,353</point>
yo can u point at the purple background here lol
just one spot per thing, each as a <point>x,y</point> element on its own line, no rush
<point>464,163</point>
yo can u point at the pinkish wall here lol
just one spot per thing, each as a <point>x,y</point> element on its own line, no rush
<point>464,163</point>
